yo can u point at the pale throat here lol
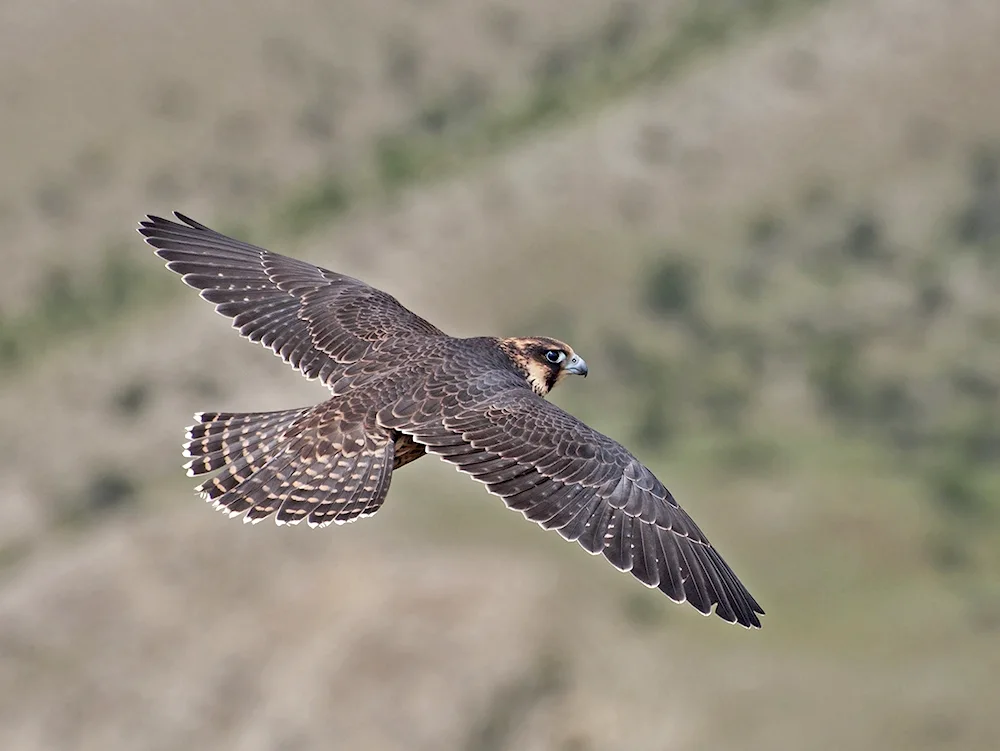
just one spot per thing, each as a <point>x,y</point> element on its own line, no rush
<point>538,377</point>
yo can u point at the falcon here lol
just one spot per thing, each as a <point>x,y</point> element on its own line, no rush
<point>402,388</point>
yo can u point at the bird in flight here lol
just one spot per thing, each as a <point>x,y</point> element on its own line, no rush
<point>402,388</point>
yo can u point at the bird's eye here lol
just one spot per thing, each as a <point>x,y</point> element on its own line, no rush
<point>555,355</point>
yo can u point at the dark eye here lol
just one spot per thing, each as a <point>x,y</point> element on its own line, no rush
<point>555,355</point>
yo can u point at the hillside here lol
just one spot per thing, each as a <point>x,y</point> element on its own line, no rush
<point>772,229</point>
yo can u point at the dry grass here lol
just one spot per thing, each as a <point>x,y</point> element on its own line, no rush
<point>134,618</point>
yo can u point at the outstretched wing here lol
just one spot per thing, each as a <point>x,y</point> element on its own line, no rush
<point>314,319</point>
<point>566,476</point>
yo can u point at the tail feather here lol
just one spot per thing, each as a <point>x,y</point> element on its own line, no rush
<point>221,438</point>
<point>368,483</point>
<point>280,463</point>
<point>372,504</point>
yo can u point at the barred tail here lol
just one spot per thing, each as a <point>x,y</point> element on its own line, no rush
<point>280,462</point>
<point>221,438</point>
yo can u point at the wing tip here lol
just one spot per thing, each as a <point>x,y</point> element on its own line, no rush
<point>153,221</point>
<point>156,230</point>
<point>743,613</point>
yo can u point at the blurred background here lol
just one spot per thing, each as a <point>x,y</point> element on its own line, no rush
<point>772,227</point>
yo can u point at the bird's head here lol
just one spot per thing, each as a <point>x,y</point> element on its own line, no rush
<point>543,361</point>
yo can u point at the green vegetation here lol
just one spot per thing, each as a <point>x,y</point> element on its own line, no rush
<point>466,122</point>
<point>671,290</point>
<point>319,203</point>
<point>67,305</point>
<point>864,362</point>
<point>812,371</point>
<point>444,134</point>
<point>833,245</point>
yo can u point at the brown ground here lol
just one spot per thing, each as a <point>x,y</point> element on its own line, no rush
<point>132,617</point>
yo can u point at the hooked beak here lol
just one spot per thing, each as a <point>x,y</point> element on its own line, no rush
<point>576,366</point>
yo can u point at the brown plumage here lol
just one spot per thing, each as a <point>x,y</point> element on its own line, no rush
<point>402,388</point>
